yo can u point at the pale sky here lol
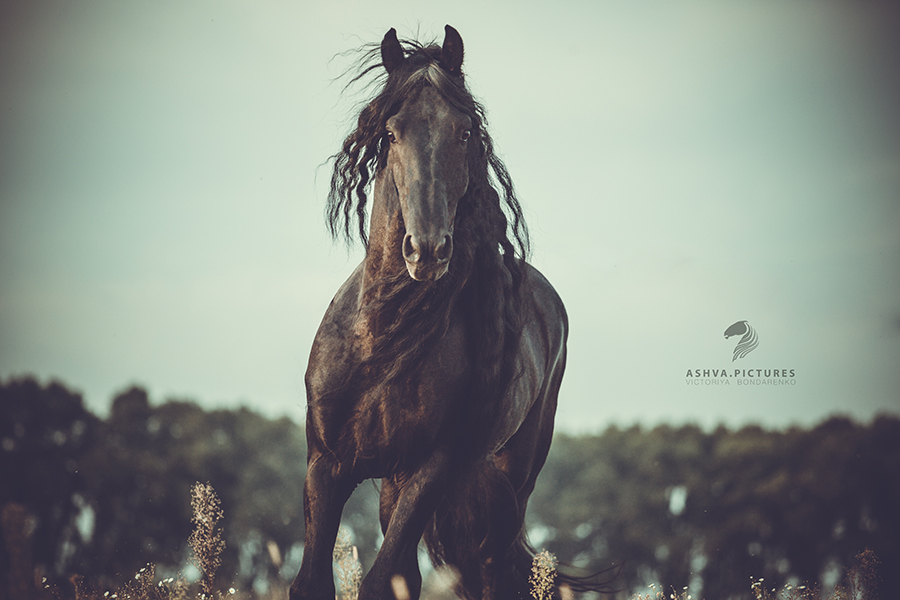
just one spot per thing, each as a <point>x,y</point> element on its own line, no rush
<point>683,166</point>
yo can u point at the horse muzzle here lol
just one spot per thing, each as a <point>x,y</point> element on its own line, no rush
<point>427,258</point>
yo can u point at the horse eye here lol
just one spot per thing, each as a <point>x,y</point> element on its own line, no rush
<point>466,135</point>
<point>390,137</point>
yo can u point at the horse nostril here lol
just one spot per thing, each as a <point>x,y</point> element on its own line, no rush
<point>425,251</point>
<point>410,249</point>
<point>445,250</point>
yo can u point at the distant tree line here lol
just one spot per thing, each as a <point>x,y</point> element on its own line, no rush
<point>677,507</point>
<point>708,511</point>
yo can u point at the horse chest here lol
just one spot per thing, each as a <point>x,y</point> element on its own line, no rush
<point>373,423</point>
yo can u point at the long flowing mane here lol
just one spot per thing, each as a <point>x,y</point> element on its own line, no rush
<point>491,243</point>
<point>437,366</point>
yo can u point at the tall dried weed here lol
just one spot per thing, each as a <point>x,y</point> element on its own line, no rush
<point>543,573</point>
<point>206,539</point>
<point>347,567</point>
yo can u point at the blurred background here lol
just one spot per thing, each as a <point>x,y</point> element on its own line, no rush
<point>683,166</point>
<point>700,512</point>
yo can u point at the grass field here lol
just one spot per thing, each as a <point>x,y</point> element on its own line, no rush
<point>206,541</point>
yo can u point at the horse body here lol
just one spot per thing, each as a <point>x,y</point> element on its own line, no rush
<point>416,409</point>
<point>437,365</point>
<point>405,418</point>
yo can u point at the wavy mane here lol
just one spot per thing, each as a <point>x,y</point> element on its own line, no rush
<point>393,393</point>
<point>491,243</point>
<point>364,151</point>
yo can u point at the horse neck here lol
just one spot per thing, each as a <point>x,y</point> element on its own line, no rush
<point>384,260</point>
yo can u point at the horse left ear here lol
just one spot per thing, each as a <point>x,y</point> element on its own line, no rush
<point>452,51</point>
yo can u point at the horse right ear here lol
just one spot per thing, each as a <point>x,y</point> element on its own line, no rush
<point>391,51</point>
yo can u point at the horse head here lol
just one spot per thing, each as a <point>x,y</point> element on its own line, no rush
<point>427,158</point>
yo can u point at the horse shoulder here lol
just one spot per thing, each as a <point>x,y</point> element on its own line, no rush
<point>546,314</point>
<point>540,360</point>
<point>330,358</point>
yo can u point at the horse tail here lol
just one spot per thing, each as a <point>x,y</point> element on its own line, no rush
<point>473,527</point>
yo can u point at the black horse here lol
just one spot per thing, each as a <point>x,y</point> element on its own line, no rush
<point>437,366</point>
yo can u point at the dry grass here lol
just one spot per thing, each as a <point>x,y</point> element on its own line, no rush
<point>543,573</point>
<point>661,595</point>
<point>347,567</point>
<point>860,582</point>
<point>207,545</point>
<point>206,539</point>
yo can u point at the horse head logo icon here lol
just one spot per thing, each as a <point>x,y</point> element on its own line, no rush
<point>747,343</point>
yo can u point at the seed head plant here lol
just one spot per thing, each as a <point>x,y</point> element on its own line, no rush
<point>348,569</point>
<point>543,573</point>
<point>206,539</point>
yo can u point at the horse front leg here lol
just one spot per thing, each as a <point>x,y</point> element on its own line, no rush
<point>405,512</point>
<point>324,494</point>
<point>408,565</point>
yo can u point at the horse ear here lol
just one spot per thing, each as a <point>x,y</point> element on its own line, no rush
<point>452,51</point>
<point>391,51</point>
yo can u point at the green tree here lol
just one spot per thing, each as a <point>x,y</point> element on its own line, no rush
<point>681,507</point>
<point>150,457</point>
<point>46,435</point>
